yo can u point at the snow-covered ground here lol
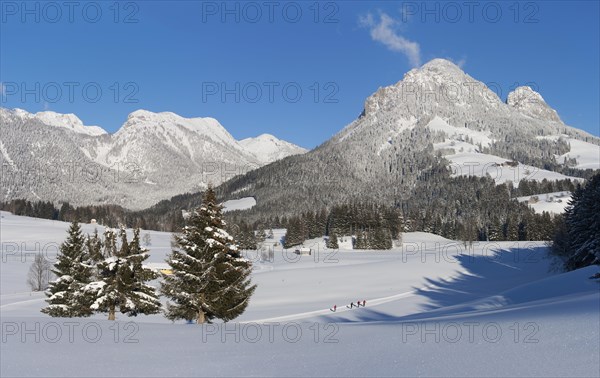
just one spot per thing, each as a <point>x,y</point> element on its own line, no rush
<point>586,154</point>
<point>554,203</point>
<point>239,204</point>
<point>434,307</point>
<point>461,149</point>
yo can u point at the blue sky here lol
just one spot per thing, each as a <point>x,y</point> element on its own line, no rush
<point>194,58</point>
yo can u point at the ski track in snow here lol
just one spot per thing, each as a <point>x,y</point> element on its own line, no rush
<point>370,302</point>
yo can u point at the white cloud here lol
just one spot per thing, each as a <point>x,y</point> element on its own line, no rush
<point>459,62</point>
<point>384,31</point>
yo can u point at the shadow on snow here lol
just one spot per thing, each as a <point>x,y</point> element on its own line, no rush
<point>478,281</point>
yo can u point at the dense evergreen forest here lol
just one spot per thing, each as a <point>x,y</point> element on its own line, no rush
<point>463,208</point>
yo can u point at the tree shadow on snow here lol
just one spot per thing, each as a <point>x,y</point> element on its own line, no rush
<point>479,276</point>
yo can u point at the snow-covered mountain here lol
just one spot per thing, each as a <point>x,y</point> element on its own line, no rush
<point>267,148</point>
<point>68,121</point>
<point>152,157</point>
<point>436,110</point>
<point>527,101</point>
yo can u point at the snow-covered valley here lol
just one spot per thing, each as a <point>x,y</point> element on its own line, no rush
<point>434,307</point>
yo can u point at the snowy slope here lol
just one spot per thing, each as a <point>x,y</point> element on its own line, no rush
<point>476,164</point>
<point>239,204</point>
<point>459,133</point>
<point>434,307</point>
<point>554,203</point>
<point>268,148</point>
<point>586,154</point>
<point>67,121</point>
<point>467,160</point>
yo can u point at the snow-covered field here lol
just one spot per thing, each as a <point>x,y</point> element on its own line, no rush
<point>587,154</point>
<point>554,203</point>
<point>434,307</point>
<point>239,204</point>
<point>461,149</point>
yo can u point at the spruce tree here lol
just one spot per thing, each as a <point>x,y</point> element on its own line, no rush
<point>294,234</point>
<point>210,278</point>
<point>65,296</point>
<point>260,236</point>
<point>94,247</point>
<point>362,240</point>
<point>122,279</point>
<point>332,241</point>
<point>582,219</point>
<point>561,244</point>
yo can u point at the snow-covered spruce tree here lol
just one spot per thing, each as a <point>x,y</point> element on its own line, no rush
<point>362,240</point>
<point>94,247</point>
<point>582,219</point>
<point>332,241</point>
<point>210,278</point>
<point>110,243</point>
<point>122,279</point>
<point>294,234</point>
<point>73,272</point>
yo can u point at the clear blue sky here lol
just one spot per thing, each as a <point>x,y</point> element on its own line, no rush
<point>173,53</point>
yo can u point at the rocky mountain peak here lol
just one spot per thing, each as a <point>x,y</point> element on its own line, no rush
<point>530,103</point>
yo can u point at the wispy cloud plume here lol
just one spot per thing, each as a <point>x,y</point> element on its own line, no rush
<point>459,62</point>
<point>384,31</point>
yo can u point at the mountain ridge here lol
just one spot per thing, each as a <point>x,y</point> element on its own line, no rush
<point>152,157</point>
<point>388,151</point>
<point>435,119</point>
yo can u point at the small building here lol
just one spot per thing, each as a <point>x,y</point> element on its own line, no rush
<point>303,251</point>
<point>93,221</point>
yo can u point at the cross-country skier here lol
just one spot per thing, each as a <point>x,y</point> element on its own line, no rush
<point>364,303</point>
<point>334,308</point>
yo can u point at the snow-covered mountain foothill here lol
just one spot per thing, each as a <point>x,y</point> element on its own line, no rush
<point>153,156</point>
<point>434,307</point>
<point>437,115</point>
<point>268,148</point>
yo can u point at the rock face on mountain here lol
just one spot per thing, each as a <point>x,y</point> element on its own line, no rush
<point>401,137</point>
<point>530,103</point>
<point>152,157</point>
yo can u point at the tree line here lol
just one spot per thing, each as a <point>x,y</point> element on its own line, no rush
<point>209,278</point>
<point>576,240</point>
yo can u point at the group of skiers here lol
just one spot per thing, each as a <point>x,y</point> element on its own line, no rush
<point>362,303</point>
